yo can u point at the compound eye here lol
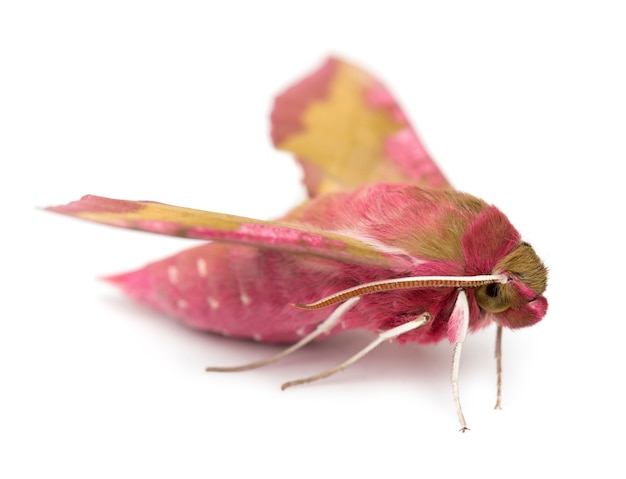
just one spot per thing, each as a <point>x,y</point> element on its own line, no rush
<point>493,297</point>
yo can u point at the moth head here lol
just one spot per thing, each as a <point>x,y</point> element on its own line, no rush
<point>518,302</point>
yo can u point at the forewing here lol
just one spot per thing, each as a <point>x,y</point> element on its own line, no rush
<point>346,129</point>
<point>191,223</point>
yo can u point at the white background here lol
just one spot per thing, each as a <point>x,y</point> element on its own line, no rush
<point>522,105</point>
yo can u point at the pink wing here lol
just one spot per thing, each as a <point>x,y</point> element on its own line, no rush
<point>287,236</point>
<point>346,129</point>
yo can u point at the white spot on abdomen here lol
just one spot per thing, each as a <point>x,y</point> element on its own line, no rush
<point>182,304</point>
<point>172,274</point>
<point>245,299</point>
<point>214,303</point>
<point>201,267</point>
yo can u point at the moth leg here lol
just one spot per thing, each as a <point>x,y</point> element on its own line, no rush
<point>322,328</point>
<point>382,337</point>
<point>460,313</point>
<point>499,368</point>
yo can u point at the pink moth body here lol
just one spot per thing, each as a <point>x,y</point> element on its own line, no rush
<point>249,292</point>
<point>380,209</point>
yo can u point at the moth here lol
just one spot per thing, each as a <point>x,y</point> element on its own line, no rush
<point>384,243</point>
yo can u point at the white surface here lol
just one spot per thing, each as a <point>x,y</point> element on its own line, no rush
<point>169,101</point>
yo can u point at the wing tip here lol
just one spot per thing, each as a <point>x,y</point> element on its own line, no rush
<point>95,204</point>
<point>286,116</point>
